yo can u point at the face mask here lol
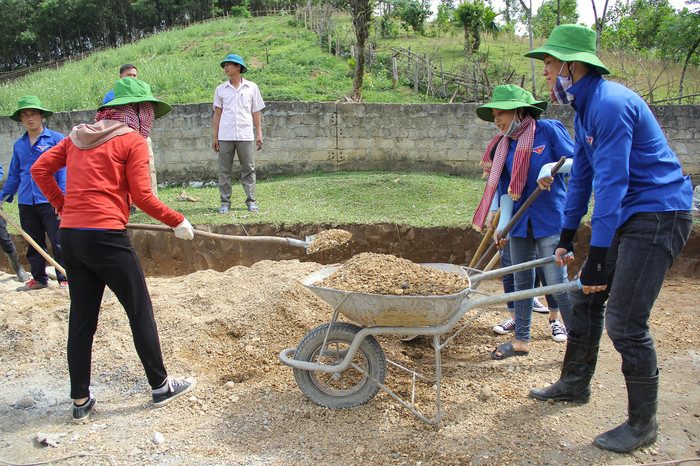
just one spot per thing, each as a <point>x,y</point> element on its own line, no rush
<point>513,128</point>
<point>561,84</point>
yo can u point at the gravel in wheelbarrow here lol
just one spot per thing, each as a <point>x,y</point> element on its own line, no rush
<point>383,290</point>
<point>386,274</point>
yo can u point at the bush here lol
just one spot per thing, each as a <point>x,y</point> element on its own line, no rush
<point>240,12</point>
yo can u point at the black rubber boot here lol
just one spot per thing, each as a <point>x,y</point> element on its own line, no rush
<point>22,275</point>
<point>578,367</point>
<point>641,427</point>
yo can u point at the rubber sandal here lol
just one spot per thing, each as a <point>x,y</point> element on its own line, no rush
<point>507,351</point>
<point>223,209</point>
<point>253,208</point>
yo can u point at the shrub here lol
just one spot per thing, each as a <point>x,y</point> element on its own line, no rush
<point>240,12</point>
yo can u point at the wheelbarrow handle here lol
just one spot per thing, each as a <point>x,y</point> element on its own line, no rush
<point>521,211</point>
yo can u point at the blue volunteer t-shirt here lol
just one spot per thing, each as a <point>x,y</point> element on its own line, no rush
<point>552,141</point>
<point>622,155</point>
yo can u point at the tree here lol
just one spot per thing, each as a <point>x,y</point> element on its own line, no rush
<point>361,11</point>
<point>445,13</point>
<point>414,14</point>
<point>475,18</point>
<point>636,24</point>
<point>552,13</point>
<point>599,22</point>
<point>680,37</point>
<point>527,10</point>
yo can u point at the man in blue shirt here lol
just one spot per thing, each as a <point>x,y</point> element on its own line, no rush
<point>127,70</point>
<point>130,71</point>
<point>37,217</point>
<point>641,220</point>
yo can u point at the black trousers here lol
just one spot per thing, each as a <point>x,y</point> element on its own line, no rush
<point>95,258</point>
<point>40,221</point>
<point>5,241</point>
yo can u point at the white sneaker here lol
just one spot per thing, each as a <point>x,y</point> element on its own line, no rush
<point>538,307</point>
<point>558,330</point>
<point>506,327</point>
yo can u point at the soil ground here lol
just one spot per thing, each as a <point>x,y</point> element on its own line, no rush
<point>227,329</point>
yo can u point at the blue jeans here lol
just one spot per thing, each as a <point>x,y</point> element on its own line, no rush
<point>527,249</point>
<point>642,251</point>
<point>508,281</point>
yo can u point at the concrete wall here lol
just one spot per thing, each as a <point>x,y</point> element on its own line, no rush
<point>301,137</point>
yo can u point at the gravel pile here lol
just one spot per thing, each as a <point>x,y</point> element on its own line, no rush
<point>389,275</point>
<point>329,239</point>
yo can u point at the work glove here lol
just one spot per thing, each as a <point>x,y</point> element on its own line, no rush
<point>593,272</point>
<point>184,230</point>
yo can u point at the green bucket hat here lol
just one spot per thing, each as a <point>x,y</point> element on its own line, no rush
<point>29,101</point>
<point>233,58</point>
<point>571,42</point>
<point>509,97</point>
<point>130,91</point>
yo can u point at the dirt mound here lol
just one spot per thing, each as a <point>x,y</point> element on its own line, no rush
<point>227,329</point>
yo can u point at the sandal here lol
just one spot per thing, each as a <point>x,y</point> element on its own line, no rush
<point>506,350</point>
<point>253,208</point>
<point>223,209</point>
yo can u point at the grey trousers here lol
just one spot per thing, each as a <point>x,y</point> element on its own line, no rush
<point>246,156</point>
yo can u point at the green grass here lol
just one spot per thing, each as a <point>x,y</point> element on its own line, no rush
<point>287,62</point>
<point>422,200</point>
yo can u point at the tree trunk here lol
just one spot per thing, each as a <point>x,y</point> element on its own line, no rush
<point>467,48</point>
<point>361,17</point>
<point>477,39</point>
<point>685,67</point>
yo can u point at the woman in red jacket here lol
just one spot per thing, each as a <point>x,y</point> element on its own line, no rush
<point>107,170</point>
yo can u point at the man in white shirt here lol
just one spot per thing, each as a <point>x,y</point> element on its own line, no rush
<point>237,130</point>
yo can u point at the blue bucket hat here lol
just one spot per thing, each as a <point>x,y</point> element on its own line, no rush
<point>233,58</point>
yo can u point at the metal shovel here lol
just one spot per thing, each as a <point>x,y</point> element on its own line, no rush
<point>240,239</point>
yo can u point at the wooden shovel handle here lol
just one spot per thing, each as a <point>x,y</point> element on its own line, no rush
<point>235,238</point>
<point>34,244</point>
<point>517,216</point>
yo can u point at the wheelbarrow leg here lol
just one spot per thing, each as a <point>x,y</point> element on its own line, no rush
<point>438,376</point>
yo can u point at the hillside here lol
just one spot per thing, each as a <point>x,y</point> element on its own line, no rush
<point>289,64</point>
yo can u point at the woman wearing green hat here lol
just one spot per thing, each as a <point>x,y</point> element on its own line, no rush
<point>525,150</point>
<point>641,221</point>
<point>107,165</point>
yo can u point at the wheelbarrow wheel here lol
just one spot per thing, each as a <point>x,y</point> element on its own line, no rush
<point>345,389</point>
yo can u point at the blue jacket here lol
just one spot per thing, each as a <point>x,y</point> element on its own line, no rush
<point>19,179</point>
<point>552,141</point>
<point>108,97</point>
<point>621,154</point>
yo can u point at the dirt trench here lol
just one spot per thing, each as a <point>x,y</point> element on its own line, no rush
<point>162,254</point>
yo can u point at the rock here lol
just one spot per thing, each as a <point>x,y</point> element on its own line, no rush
<point>229,385</point>
<point>25,402</point>
<point>485,393</point>
<point>157,438</point>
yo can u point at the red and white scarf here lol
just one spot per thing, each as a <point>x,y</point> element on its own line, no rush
<point>138,116</point>
<point>492,170</point>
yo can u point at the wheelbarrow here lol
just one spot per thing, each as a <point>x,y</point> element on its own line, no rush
<point>342,365</point>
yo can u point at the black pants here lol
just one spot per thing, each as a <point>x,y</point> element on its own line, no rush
<point>40,221</point>
<point>95,259</point>
<point>5,241</point>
